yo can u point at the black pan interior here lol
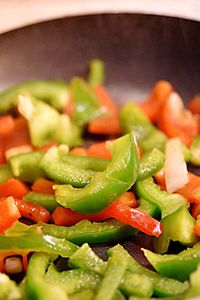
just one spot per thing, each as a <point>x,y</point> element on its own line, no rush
<point>138,50</point>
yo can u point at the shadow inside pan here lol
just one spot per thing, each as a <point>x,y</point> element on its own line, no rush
<point>138,50</point>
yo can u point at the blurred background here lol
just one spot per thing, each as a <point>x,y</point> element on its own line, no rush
<point>17,13</point>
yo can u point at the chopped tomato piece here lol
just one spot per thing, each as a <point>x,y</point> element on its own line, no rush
<point>176,121</point>
<point>13,187</point>
<point>108,123</point>
<point>79,151</point>
<point>33,211</point>
<point>156,100</point>
<point>9,213</point>
<point>99,150</point>
<point>44,186</point>
<point>191,191</point>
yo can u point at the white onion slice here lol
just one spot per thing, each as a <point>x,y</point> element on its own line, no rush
<point>176,174</point>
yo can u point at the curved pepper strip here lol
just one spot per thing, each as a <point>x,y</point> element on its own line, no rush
<point>178,266</point>
<point>36,286</point>
<point>64,172</point>
<point>52,91</point>
<point>167,203</point>
<point>90,232</point>
<point>105,187</point>
<point>184,233</point>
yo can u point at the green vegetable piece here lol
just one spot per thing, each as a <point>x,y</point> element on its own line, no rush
<point>9,289</point>
<point>162,286</point>
<point>178,266</point>
<point>55,92</point>
<point>5,173</point>
<point>86,294</point>
<point>150,164</point>
<point>46,200</point>
<point>67,132</point>
<point>86,162</point>
<point>136,284</point>
<point>21,165</point>
<point>86,105</point>
<point>64,172</point>
<point>73,281</point>
<point>167,203</point>
<point>86,259</point>
<point>150,208</point>
<point>96,72</point>
<point>184,224</point>
<point>156,139</point>
<point>195,151</point>
<point>88,232</point>
<point>132,118</point>
<point>112,277</point>
<point>36,286</point>
<point>194,289</point>
<point>148,136</point>
<point>105,186</point>
<point>37,242</point>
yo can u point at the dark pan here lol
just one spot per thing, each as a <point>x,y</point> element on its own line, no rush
<point>138,50</point>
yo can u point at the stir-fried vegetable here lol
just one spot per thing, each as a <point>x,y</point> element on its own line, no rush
<point>132,178</point>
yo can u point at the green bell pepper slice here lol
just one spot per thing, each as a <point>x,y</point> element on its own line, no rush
<point>46,200</point>
<point>106,186</point>
<point>148,136</point>
<point>162,286</point>
<point>73,281</point>
<point>184,232</point>
<point>113,275</point>
<point>62,171</point>
<point>85,294</point>
<point>150,164</point>
<point>195,151</point>
<point>21,165</point>
<point>90,232</point>
<point>55,92</point>
<point>178,266</point>
<point>86,106</point>
<point>36,286</point>
<point>96,74</point>
<point>150,208</point>
<point>150,191</point>
<point>36,241</point>
<point>5,173</point>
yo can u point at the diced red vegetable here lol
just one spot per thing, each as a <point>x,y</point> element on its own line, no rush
<point>175,121</point>
<point>78,151</point>
<point>156,100</point>
<point>33,211</point>
<point>191,191</point>
<point>9,213</point>
<point>7,125</point>
<point>108,123</point>
<point>99,150</point>
<point>44,186</point>
<point>13,187</point>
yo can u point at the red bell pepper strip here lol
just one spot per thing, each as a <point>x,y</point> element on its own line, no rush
<point>44,186</point>
<point>13,187</point>
<point>135,217</point>
<point>176,121</point>
<point>99,150</point>
<point>109,123</point>
<point>9,213</point>
<point>33,211</point>
<point>78,151</point>
<point>156,100</point>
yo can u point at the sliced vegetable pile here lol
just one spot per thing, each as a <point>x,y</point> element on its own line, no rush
<point>58,196</point>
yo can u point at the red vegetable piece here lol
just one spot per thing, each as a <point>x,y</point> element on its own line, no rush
<point>13,187</point>
<point>99,150</point>
<point>44,186</point>
<point>9,213</point>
